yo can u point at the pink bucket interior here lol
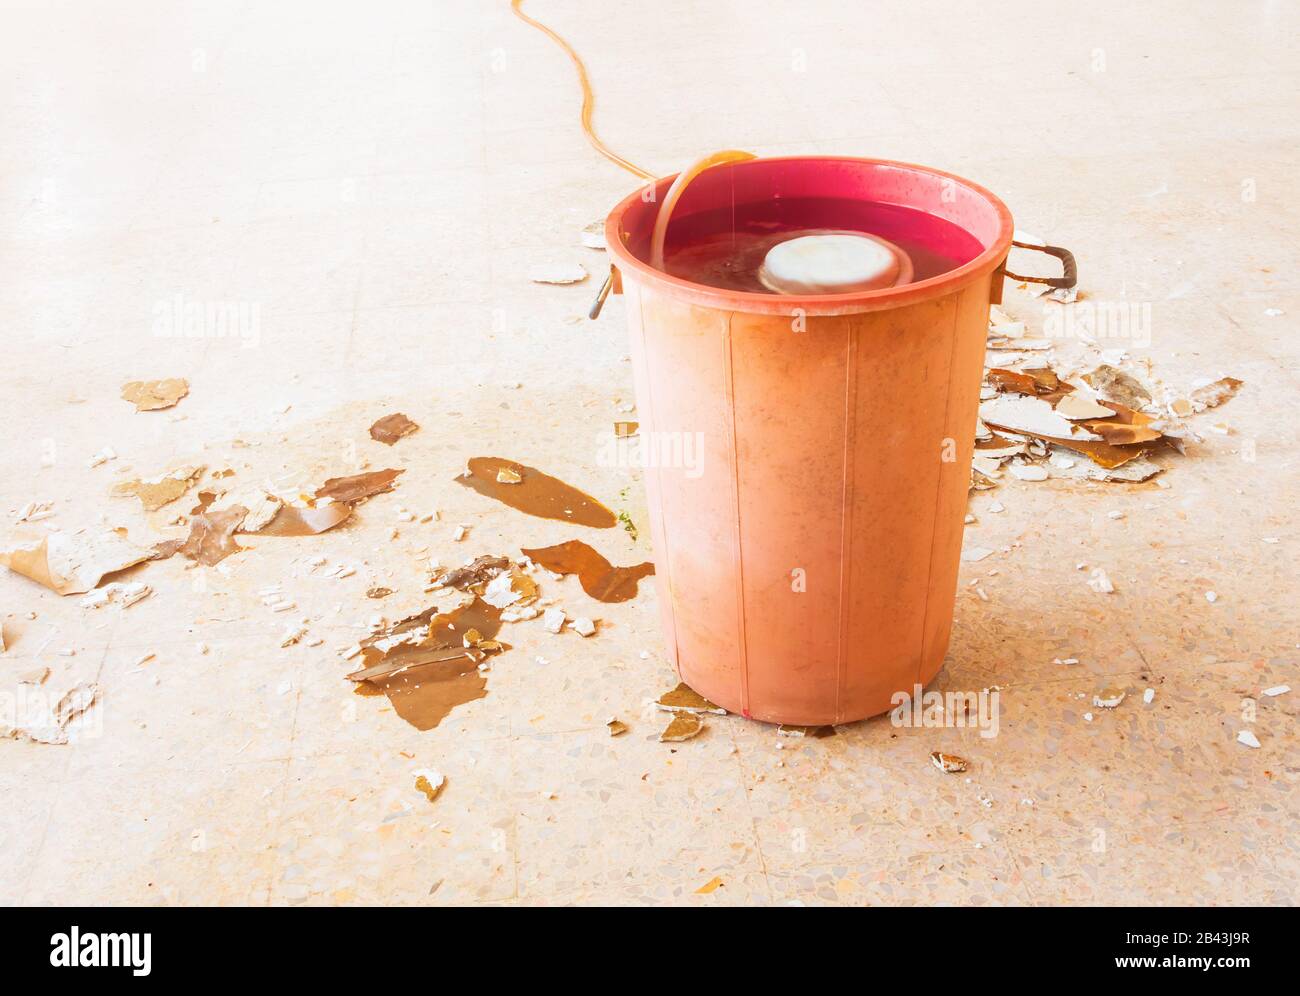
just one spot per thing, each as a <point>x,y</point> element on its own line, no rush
<point>893,200</point>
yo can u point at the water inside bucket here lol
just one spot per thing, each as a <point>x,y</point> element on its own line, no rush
<point>725,247</point>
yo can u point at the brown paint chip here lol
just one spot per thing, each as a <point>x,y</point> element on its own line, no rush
<point>155,492</point>
<point>72,564</point>
<point>684,726</point>
<point>358,487</point>
<point>391,428</point>
<point>598,577</point>
<point>474,575</point>
<point>430,783</point>
<point>152,395</point>
<point>950,764</point>
<point>684,699</point>
<point>211,539</point>
<point>534,492</point>
<point>422,664</point>
<point>293,520</point>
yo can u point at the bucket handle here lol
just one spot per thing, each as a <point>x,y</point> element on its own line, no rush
<point>1070,271</point>
<point>601,294</point>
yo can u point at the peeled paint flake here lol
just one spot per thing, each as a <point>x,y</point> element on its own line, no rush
<point>1104,454</point>
<point>616,727</point>
<point>598,577</point>
<point>950,764</point>
<point>72,564</point>
<point>1213,395</point>
<point>558,273</point>
<point>1076,407</point>
<point>294,520</point>
<point>155,492</point>
<point>1036,382</point>
<point>153,395</point>
<point>358,487</point>
<point>391,428</point>
<point>684,726</point>
<point>1032,416</point>
<point>211,539</point>
<point>1114,384</point>
<point>477,573</point>
<point>423,665</point>
<point>593,235</point>
<point>510,588</point>
<point>1124,426</point>
<point>430,783</point>
<point>684,699</point>
<point>535,493</point>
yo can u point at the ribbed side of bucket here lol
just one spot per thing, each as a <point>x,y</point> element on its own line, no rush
<point>807,490</point>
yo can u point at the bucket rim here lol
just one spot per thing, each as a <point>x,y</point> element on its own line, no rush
<point>823,305</point>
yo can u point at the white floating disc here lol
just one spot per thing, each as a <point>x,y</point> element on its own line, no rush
<point>834,263</point>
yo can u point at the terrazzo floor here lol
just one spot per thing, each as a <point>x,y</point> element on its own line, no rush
<point>377,179</point>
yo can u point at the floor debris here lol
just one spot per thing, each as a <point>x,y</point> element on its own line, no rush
<point>712,885</point>
<point>948,763</point>
<point>553,620</point>
<point>535,493</point>
<point>155,492</point>
<point>510,588</point>
<point>684,699</point>
<point>474,575</point>
<point>684,726</point>
<point>616,727</point>
<point>423,665</point>
<point>430,783</point>
<point>1248,739</point>
<point>72,564</point>
<point>1109,698</point>
<point>558,273</point>
<point>154,395</point>
<point>1214,394</point>
<point>299,520</point>
<point>391,428</point>
<point>599,579</point>
<point>358,487</point>
<point>593,236</point>
<point>124,593</point>
<point>1116,385</point>
<point>103,456</point>
<point>1100,582</point>
<point>212,535</point>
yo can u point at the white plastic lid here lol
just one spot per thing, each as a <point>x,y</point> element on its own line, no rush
<point>834,263</point>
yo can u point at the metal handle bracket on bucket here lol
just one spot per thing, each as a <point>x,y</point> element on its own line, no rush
<point>1070,271</point>
<point>612,283</point>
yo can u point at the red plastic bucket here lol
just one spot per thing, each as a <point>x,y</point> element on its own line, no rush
<point>807,563</point>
